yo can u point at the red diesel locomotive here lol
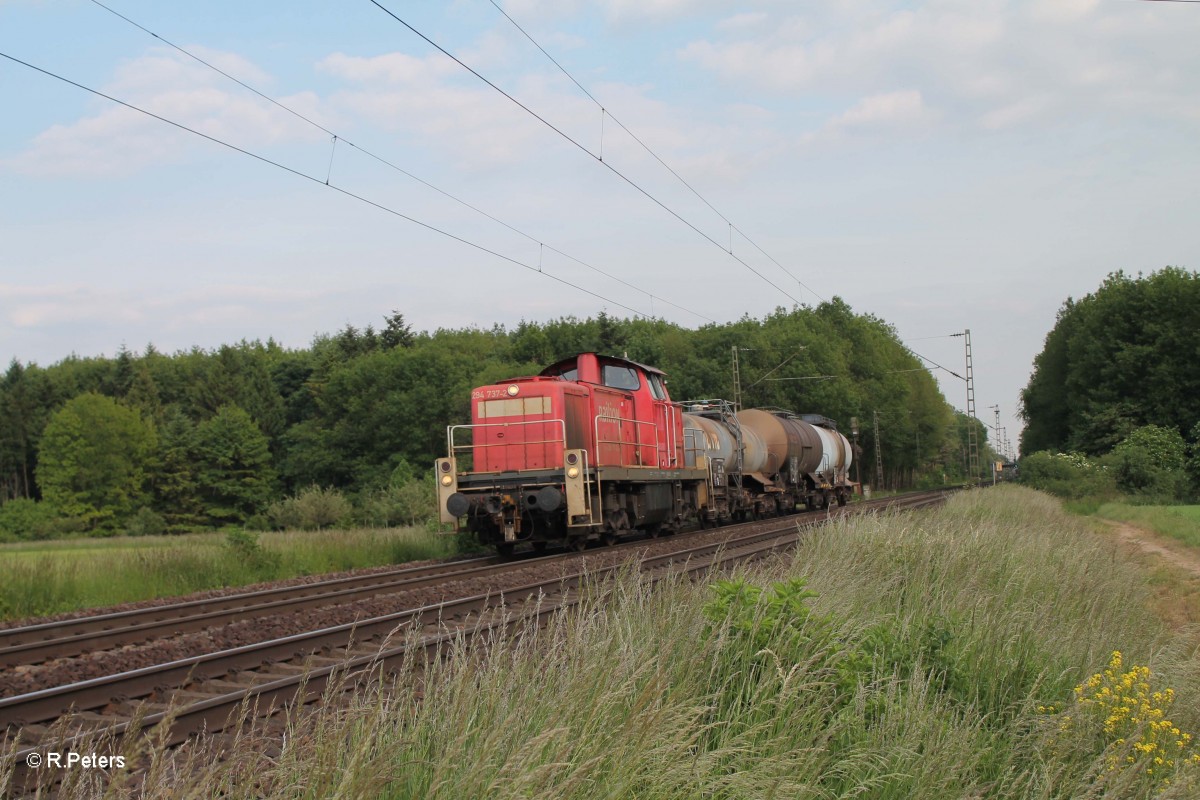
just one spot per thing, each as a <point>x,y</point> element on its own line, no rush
<point>593,447</point>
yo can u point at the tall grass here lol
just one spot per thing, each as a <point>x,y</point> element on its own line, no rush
<point>47,578</point>
<point>938,659</point>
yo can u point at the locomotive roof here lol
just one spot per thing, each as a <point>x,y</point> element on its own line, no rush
<point>556,368</point>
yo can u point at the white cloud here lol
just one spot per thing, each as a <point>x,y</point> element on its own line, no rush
<point>883,115</point>
<point>750,19</point>
<point>648,9</point>
<point>618,12</point>
<point>478,129</point>
<point>1062,10</point>
<point>990,64</point>
<point>1015,113</point>
<point>117,139</point>
<point>894,108</point>
<point>393,68</point>
<point>49,306</point>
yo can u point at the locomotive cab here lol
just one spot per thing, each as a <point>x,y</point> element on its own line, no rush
<point>632,420</point>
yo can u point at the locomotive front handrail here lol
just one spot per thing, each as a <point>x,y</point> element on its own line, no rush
<point>671,417</point>
<point>452,448</point>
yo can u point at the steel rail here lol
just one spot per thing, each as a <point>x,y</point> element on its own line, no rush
<point>33,644</point>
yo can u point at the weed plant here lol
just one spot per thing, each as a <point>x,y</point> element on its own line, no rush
<point>931,655</point>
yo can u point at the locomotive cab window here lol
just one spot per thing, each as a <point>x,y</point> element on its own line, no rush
<point>570,374</point>
<point>621,377</point>
<point>656,386</point>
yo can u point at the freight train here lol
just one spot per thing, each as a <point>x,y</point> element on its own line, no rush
<point>593,448</point>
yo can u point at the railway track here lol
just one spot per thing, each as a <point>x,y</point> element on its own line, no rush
<point>204,692</point>
<point>34,644</point>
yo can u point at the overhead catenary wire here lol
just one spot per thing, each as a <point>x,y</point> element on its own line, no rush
<point>931,361</point>
<point>605,111</point>
<point>320,182</point>
<point>583,148</point>
<point>338,138</point>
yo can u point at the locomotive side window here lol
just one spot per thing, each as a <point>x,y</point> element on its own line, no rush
<point>656,386</point>
<point>570,375</point>
<point>619,377</point>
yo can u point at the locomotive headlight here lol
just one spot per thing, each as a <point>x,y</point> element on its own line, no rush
<point>513,390</point>
<point>447,480</point>
<point>572,472</point>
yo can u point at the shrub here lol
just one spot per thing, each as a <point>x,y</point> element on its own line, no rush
<point>1193,463</point>
<point>311,509</point>
<point>146,523</point>
<point>1069,475</point>
<point>26,519</point>
<point>410,503</point>
<point>1151,462</point>
<point>246,550</point>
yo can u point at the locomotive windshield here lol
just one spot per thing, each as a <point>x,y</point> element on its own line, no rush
<point>656,386</point>
<point>621,377</point>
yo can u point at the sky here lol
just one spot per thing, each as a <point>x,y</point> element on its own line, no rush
<point>942,165</point>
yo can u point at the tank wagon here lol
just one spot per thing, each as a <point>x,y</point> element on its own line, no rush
<point>593,447</point>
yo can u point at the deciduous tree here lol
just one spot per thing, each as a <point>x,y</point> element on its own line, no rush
<point>94,459</point>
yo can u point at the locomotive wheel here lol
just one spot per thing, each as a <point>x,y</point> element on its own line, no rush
<point>655,530</point>
<point>539,547</point>
<point>578,544</point>
<point>505,548</point>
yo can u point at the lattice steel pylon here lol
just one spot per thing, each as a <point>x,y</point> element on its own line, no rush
<point>878,457</point>
<point>737,382</point>
<point>972,439</point>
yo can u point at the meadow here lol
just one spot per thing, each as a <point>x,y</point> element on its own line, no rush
<point>43,578</point>
<point>998,647</point>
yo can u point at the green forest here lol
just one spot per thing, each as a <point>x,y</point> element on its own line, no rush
<point>1113,404</point>
<point>258,435</point>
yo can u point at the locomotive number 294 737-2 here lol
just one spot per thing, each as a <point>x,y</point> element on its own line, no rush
<point>487,394</point>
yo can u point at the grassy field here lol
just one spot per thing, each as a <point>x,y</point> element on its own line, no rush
<point>40,578</point>
<point>960,653</point>
<point>1178,522</point>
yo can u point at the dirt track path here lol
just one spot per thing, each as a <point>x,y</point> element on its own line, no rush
<point>1177,554</point>
<point>1175,576</point>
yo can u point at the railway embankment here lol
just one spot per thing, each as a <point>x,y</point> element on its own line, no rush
<point>934,654</point>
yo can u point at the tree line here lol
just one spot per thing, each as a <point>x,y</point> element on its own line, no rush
<point>249,433</point>
<point>1113,404</point>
